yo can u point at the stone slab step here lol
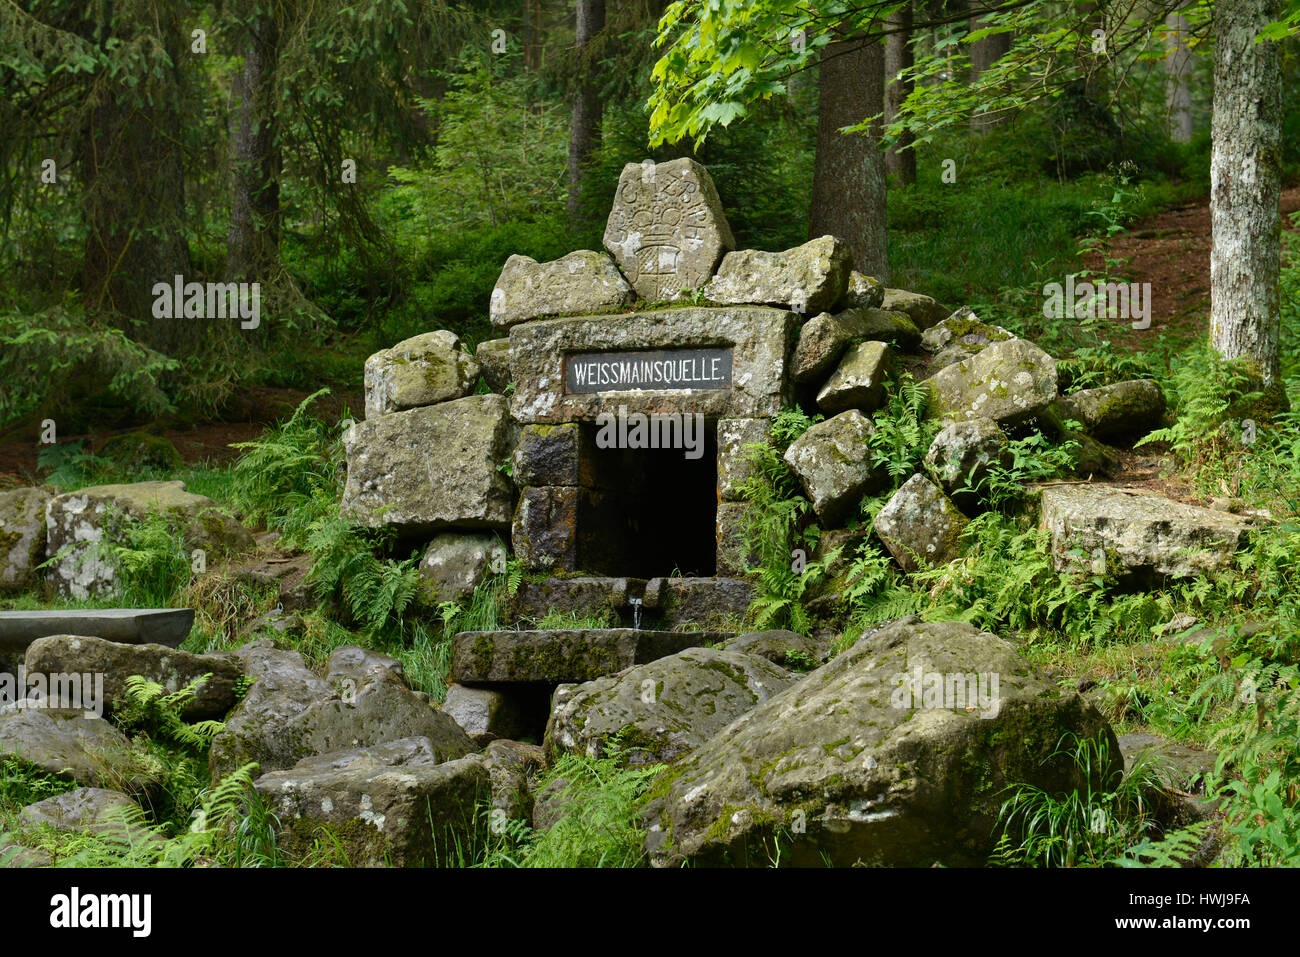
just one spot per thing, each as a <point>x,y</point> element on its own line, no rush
<point>558,656</point>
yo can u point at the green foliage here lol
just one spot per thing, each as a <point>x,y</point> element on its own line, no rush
<point>289,479</point>
<point>773,523</point>
<point>376,591</point>
<point>1086,827</point>
<point>598,800</point>
<point>69,465</point>
<point>500,156</point>
<point>1033,458</point>
<point>150,559</point>
<point>1208,392</point>
<point>57,359</point>
<point>903,435</point>
<point>151,709</point>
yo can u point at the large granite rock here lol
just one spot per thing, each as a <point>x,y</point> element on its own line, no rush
<point>375,711</point>
<point>160,626</point>
<point>697,601</point>
<point>825,337</point>
<point>1120,411</point>
<point>662,709</point>
<point>807,279</point>
<point>759,339</point>
<point>351,666</point>
<point>168,667</point>
<point>455,564</point>
<point>69,745</point>
<point>864,292</point>
<point>397,804</point>
<point>423,370</point>
<point>560,656</point>
<point>789,649</point>
<point>1137,533</point>
<point>922,310</point>
<point>581,282</point>
<point>858,382</point>
<point>1009,382</point>
<point>666,227</point>
<point>430,468</point>
<point>86,809</point>
<point>486,714</point>
<point>78,522</point>
<point>493,358</point>
<point>963,453</point>
<point>555,455</point>
<point>920,526</point>
<point>858,765</point>
<point>22,537</point>
<point>833,461</point>
<point>283,688</point>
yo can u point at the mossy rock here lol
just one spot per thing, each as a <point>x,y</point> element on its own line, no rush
<point>141,451</point>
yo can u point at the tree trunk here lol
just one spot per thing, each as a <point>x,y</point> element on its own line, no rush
<point>848,195</point>
<point>983,54</point>
<point>1245,188</point>
<point>584,131</point>
<point>1178,90</point>
<point>900,159</point>
<point>134,208</point>
<point>253,243</point>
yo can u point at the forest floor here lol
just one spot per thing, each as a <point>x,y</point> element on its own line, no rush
<point>1170,250</point>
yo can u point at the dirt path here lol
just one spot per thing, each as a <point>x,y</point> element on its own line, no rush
<point>257,408</point>
<point>1171,251</point>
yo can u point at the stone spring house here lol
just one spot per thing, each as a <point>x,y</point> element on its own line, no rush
<point>593,336</point>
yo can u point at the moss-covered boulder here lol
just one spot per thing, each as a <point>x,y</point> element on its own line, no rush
<point>493,358</point>
<point>864,292</point>
<point>22,537</point>
<point>169,667</point>
<point>1009,382</point>
<point>277,726</point>
<point>136,451</point>
<point>398,804</point>
<point>833,462</point>
<point>1136,533</point>
<point>1117,412</point>
<point>959,337</point>
<point>71,746</point>
<point>77,524</point>
<point>920,525</point>
<point>897,753</point>
<point>581,282</point>
<point>456,563</point>
<point>858,382</point>
<point>431,468</point>
<point>963,453</point>
<point>423,370</point>
<point>662,709</point>
<point>922,310</point>
<point>807,279</point>
<point>86,809</point>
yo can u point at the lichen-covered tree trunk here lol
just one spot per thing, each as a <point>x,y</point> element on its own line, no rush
<point>1178,89</point>
<point>900,159</point>
<point>1245,188</point>
<point>253,242</point>
<point>584,130</point>
<point>848,195</point>
<point>134,206</point>
<point>983,54</point>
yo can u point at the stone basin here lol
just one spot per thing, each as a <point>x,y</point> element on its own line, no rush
<point>130,626</point>
<point>557,656</point>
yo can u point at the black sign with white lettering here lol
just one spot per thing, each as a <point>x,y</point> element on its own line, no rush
<point>707,368</point>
